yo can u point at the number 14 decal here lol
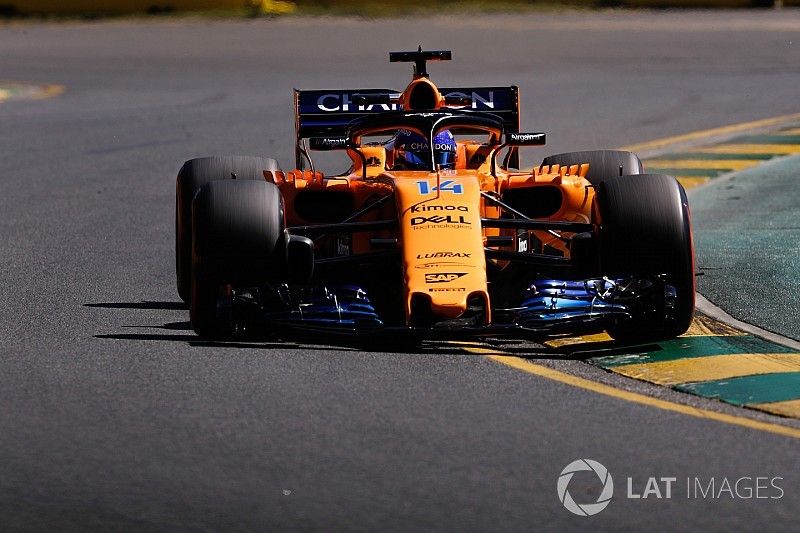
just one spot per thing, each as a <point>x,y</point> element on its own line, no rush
<point>444,186</point>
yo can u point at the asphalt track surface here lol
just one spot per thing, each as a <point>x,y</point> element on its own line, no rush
<point>112,416</point>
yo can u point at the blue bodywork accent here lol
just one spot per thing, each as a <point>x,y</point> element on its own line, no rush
<point>546,306</point>
<point>341,306</point>
<point>548,303</point>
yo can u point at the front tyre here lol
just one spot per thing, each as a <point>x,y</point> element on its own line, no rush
<point>192,176</point>
<point>645,232</point>
<point>237,240</point>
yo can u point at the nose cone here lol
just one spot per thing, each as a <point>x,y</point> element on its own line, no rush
<point>442,242</point>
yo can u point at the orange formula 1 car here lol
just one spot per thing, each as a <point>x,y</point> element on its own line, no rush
<point>432,230</point>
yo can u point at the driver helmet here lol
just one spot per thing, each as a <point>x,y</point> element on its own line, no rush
<point>411,151</point>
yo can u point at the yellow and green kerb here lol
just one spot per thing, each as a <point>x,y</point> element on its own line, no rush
<point>697,166</point>
<point>712,360</point>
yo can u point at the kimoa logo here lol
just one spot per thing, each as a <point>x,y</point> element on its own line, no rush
<point>585,509</point>
<point>418,208</point>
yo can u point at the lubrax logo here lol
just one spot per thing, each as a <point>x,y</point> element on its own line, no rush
<point>438,219</point>
<point>443,277</point>
<point>439,255</point>
<point>418,208</point>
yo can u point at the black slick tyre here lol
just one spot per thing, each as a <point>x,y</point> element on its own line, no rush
<point>645,231</point>
<point>603,164</point>
<point>237,240</point>
<point>192,176</point>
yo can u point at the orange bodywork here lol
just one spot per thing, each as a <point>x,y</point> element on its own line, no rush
<point>440,236</point>
<point>439,215</point>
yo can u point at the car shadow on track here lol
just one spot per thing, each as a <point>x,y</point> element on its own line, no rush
<point>144,304</point>
<point>295,342</point>
<point>527,348</point>
<point>282,340</point>
<point>583,351</point>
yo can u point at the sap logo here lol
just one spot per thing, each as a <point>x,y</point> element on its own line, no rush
<point>479,101</point>
<point>419,208</point>
<point>438,219</point>
<point>445,186</point>
<point>438,255</point>
<point>443,277</point>
<point>332,103</point>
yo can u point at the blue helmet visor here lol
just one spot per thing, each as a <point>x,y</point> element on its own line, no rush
<point>445,159</point>
<point>412,151</point>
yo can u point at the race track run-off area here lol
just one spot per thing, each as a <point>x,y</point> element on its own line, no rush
<point>116,416</point>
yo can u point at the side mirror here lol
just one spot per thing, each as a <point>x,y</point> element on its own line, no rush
<point>327,144</point>
<point>514,140</point>
<point>525,139</point>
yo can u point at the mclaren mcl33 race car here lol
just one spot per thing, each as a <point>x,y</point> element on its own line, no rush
<point>433,229</point>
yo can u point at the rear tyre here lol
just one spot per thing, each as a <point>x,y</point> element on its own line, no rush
<point>237,240</point>
<point>194,174</point>
<point>645,231</point>
<point>603,164</point>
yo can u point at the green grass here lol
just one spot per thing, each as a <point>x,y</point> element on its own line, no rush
<point>346,8</point>
<point>395,9</point>
<point>391,9</point>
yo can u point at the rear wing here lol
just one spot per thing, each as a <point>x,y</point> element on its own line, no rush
<point>328,113</point>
